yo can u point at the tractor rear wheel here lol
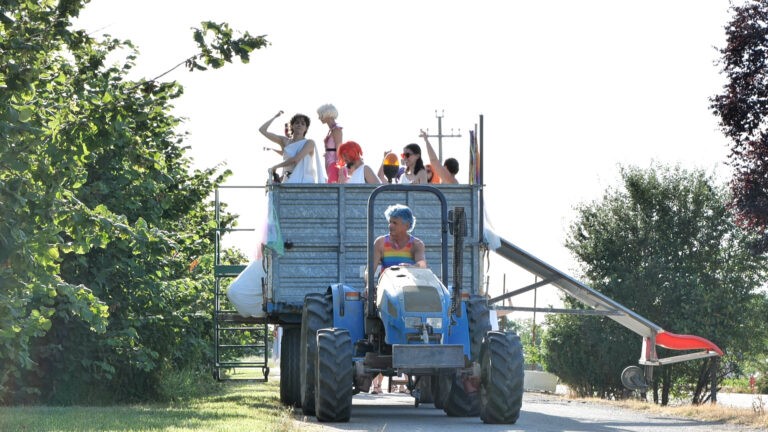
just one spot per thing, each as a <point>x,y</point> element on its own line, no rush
<point>334,375</point>
<point>290,393</point>
<point>316,314</point>
<point>479,319</point>
<point>501,379</point>
<point>459,402</point>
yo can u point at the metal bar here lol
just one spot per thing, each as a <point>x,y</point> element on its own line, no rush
<point>241,187</point>
<point>241,346</point>
<point>681,358</point>
<point>249,365</point>
<point>520,291</point>
<point>560,311</point>
<point>578,290</point>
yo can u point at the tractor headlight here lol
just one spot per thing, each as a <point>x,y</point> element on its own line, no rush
<point>413,321</point>
<point>435,322</point>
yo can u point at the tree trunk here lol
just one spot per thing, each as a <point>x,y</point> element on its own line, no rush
<point>666,378</point>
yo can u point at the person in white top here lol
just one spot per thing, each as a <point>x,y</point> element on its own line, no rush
<point>298,152</point>
<point>351,155</point>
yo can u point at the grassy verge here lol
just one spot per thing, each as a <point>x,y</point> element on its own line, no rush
<point>236,407</point>
<point>755,417</point>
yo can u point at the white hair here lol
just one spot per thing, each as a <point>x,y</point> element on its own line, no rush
<point>327,110</point>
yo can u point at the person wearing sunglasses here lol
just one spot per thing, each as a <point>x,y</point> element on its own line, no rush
<point>415,171</point>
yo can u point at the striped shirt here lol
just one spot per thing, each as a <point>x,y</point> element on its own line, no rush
<point>392,257</point>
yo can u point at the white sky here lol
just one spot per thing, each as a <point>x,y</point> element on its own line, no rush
<point>569,90</point>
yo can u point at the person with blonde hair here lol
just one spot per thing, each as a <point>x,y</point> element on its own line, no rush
<point>327,114</point>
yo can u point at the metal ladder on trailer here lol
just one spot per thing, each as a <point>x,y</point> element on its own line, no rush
<point>241,344</point>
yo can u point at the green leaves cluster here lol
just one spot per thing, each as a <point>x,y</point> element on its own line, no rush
<point>100,215</point>
<point>665,246</point>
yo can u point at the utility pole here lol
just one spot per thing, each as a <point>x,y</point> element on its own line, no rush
<point>440,135</point>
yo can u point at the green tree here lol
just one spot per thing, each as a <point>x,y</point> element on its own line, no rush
<point>102,220</point>
<point>665,246</point>
<point>531,335</point>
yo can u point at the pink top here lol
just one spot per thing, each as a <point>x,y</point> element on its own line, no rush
<point>330,155</point>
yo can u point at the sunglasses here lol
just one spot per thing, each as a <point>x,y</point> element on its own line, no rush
<point>406,155</point>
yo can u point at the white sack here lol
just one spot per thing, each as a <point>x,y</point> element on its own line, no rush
<point>245,291</point>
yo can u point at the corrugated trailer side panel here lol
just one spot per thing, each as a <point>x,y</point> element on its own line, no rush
<point>325,230</point>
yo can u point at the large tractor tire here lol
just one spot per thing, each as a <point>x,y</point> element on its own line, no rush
<point>459,402</point>
<point>501,383</point>
<point>317,314</point>
<point>334,375</point>
<point>290,393</point>
<point>441,386</point>
<point>479,319</point>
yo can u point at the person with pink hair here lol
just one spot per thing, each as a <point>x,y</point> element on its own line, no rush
<point>351,156</point>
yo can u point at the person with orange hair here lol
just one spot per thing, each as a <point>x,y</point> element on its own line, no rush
<point>351,156</point>
<point>432,176</point>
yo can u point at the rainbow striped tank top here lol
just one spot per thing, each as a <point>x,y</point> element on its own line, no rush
<point>392,256</point>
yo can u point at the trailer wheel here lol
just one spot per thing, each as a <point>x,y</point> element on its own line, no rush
<point>441,385</point>
<point>290,393</point>
<point>479,319</point>
<point>424,386</point>
<point>460,403</point>
<point>501,382</point>
<point>334,375</point>
<point>315,315</point>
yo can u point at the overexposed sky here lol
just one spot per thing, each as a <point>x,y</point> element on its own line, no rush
<point>569,90</point>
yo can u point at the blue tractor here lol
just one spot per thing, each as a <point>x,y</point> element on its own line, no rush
<point>410,322</point>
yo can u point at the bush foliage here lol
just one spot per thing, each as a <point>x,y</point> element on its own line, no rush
<point>665,246</point>
<point>105,230</point>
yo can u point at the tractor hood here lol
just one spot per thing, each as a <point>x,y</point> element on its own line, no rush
<point>412,305</point>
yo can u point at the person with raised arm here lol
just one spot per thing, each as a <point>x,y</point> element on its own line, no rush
<point>298,151</point>
<point>446,172</point>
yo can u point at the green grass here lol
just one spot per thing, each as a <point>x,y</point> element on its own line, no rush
<point>238,406</point>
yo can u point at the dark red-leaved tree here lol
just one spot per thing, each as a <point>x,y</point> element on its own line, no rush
<point>743,111</point>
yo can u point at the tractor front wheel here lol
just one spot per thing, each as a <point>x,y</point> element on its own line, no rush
<point>317,314</point>
<point>501,382</point>
<point>334,375</point>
